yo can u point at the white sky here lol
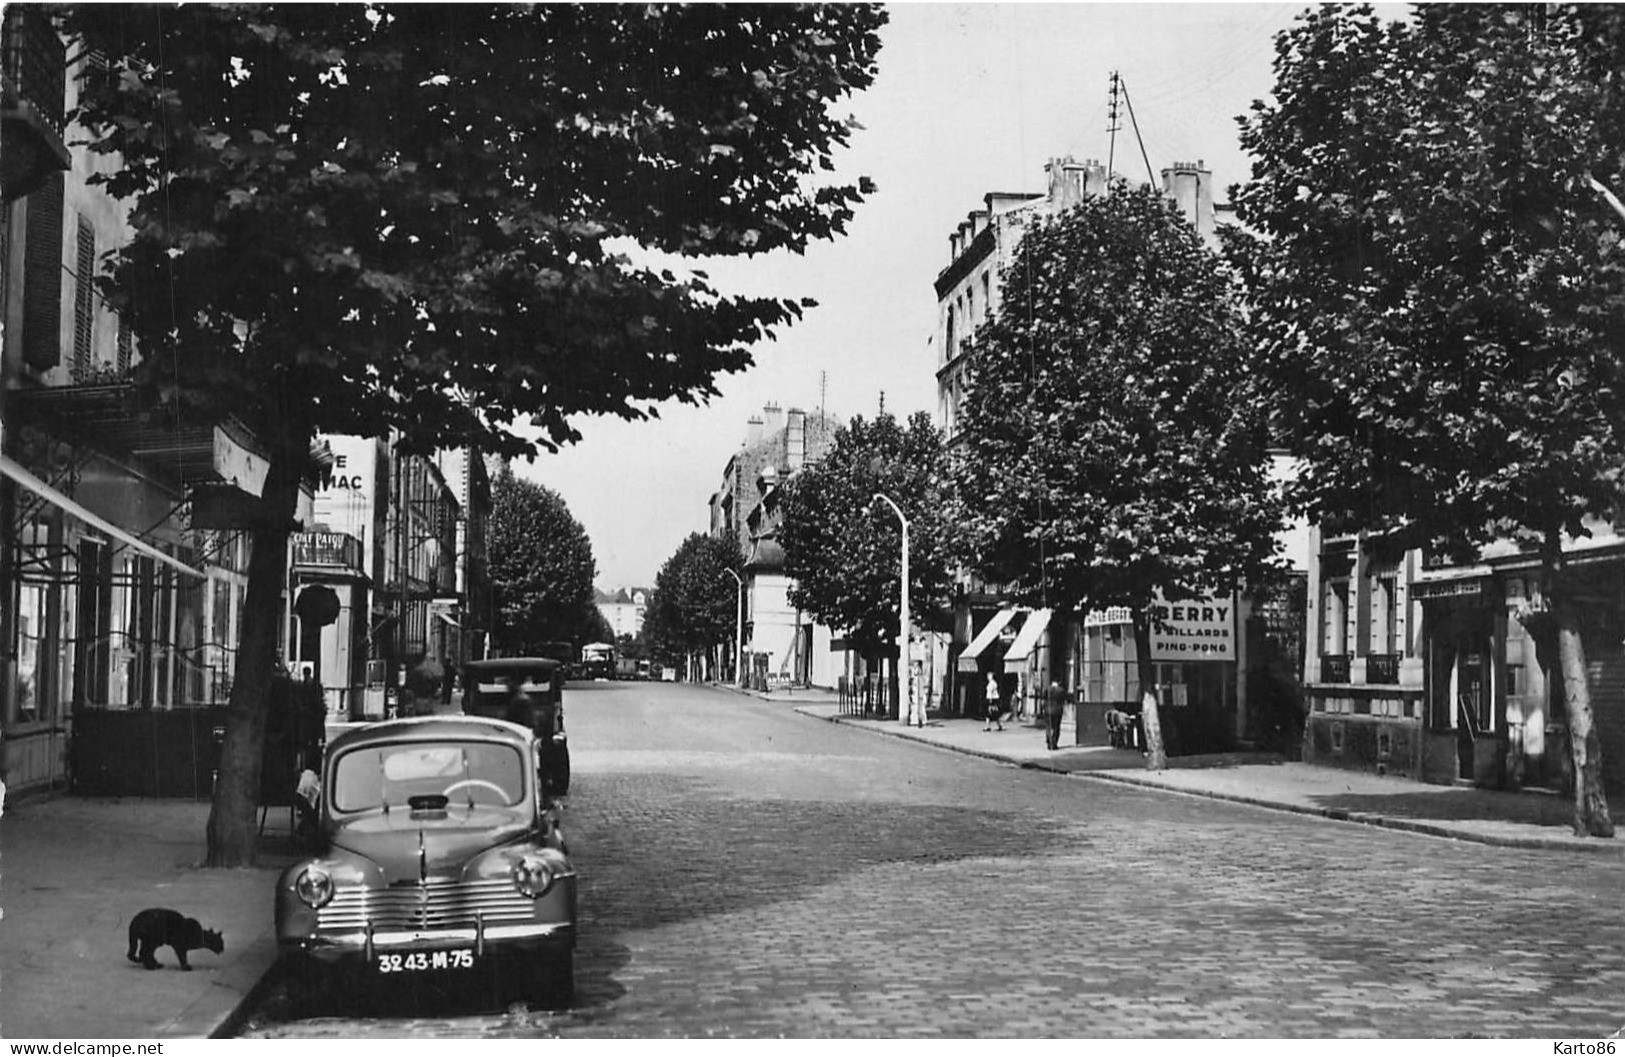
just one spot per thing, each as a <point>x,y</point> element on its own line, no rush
<point>969,99</point>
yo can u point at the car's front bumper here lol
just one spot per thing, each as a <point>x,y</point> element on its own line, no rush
<point>483,940</point>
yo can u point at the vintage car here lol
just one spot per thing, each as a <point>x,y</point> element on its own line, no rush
<point>443,859</point>
<point>526,690</point>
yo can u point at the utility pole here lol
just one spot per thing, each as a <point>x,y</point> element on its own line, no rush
<point>1111,127</point>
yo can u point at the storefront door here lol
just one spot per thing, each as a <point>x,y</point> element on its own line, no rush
<point>1472,706</point>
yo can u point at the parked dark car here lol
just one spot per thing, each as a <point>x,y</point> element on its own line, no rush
<point>443,859</point>
<point>529,691</point>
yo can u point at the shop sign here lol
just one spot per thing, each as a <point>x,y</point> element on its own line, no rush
<point>1194,629</point>
<point>1448,589</point>
<point>1097,618</point>
<point>326,549</point>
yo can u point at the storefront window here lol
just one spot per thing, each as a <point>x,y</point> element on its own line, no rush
<point>191,686</point>
<point>119,639</point>
<point>30,632</point>
<point>93,623</point>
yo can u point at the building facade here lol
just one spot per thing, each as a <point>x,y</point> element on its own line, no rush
<point>1024,650</point>
<point>623,610</point>
<point>782,644</point>
<point>123,574</point>
<point>1446,672</point>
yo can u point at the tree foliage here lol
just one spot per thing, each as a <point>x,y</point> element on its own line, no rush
<point>694,604</point>
<point>842,547</point>
<point>1110,445</point>
<point>1437,285</point>
<point>355,217</point>
<point>541,567</point>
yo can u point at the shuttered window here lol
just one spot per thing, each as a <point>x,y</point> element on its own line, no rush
<point>42,276</point>
<point>84,302</point>
<point>126,346</point>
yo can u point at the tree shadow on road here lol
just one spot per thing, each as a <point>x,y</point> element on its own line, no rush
<point>1538,811</point>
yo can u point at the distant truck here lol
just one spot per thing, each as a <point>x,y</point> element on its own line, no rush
<point>598,661</point>
<point>626,668</point>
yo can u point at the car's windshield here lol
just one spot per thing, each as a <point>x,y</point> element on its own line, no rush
<point>464,772</point>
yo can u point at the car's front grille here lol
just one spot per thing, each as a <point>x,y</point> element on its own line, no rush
<point>436,905</point>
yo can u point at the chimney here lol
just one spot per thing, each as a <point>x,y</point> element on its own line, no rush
<point>1190,187</point>
<point>772,419</point>
<point>795,439</point>
<point>1068,182</point>
<point>753,431</point>
<point>1094,177</point>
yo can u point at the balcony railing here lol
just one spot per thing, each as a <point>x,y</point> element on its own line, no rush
<point>32,87</point>
<point>33,65</point>
<point>1334,668</point>
<point>1382,668</point>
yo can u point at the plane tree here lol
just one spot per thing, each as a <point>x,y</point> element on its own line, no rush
<point>694,604</point>
<point>541,566</point>
<point>359,218</point>
<point>1110,446</point>
<point>1435,275</point>
<point>843,547</point>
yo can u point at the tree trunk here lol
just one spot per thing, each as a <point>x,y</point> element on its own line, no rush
<point>232,832</point>
<point>1590,805</point>
<point>1156,756</point>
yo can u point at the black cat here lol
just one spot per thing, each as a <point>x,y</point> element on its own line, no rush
<point>156,927</point>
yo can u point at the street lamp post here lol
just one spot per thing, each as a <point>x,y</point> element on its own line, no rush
<point>906,711</point>
<point>739,628</point>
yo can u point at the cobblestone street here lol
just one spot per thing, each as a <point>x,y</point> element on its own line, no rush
<point>747,871</point>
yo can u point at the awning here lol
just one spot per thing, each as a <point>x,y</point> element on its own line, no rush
<point>989,634</point>
<point>1015,658</point>
<point>13,470</point>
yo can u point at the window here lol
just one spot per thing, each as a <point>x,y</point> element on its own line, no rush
<point>1384,588</point>
<point>1334,617</point>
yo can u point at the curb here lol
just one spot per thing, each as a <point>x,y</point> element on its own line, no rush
<point>233,1020</point>
<point>1331,814</point>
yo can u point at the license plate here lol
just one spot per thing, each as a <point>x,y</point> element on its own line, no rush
<point>424,961</point>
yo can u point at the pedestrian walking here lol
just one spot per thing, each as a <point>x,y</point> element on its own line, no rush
<point>993,707</point>
<point>1054,709</point>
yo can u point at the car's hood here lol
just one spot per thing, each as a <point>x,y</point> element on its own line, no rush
<point>447,843</point>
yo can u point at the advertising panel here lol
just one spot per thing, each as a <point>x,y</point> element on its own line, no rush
<point>346,495</point>
<point>1199,629</point>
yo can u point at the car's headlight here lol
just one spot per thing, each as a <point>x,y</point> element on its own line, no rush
<point>533,876</point>
<point>314,887</point>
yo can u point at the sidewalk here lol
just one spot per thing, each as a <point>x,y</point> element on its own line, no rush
<point>1528,819</point>
<point>72,874</point>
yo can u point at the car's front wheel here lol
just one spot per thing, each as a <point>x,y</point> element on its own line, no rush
<point>309,985</point>
<point>553,982</point>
